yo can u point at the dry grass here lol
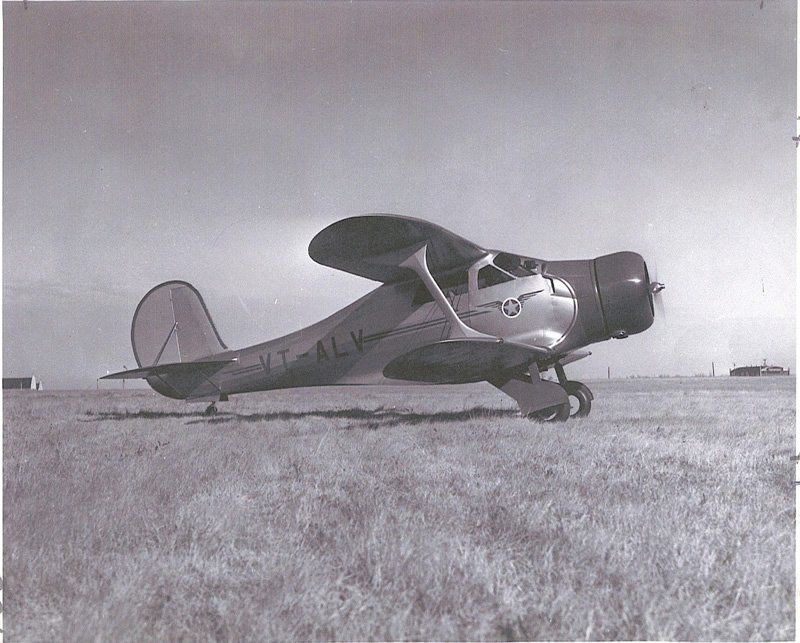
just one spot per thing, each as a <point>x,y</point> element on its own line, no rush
<point>667,514</point>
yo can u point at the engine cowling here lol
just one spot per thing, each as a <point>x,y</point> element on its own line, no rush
<point>626,298</point>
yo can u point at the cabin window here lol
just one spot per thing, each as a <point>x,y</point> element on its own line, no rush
<point>452,284</point>
<point>491,276</point>
<point>515,265</point>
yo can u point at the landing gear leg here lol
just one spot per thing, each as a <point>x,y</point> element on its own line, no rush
<point>212,409</point>
<point>538,399</point>
<point>580,397</point>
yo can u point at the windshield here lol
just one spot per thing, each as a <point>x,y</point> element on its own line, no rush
<point>516,265</point>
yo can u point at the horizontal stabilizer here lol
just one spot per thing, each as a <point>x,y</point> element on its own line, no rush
<point>460,361</point>
<point>175,368</point>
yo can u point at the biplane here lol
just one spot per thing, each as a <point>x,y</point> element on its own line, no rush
<point>447,311</point>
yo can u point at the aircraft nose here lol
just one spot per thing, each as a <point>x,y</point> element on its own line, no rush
<point>626,294</point>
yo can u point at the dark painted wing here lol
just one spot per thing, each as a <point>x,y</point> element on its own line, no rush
<point>459,361</point>
<point>371,246</point>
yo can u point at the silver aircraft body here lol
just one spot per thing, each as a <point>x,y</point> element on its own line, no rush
<point>447,311</point>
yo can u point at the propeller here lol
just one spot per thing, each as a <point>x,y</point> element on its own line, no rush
<point>656,287</point>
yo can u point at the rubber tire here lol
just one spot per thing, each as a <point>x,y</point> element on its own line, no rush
<point>558,413</point>
<point>584,396</point>
<point>211,410</point>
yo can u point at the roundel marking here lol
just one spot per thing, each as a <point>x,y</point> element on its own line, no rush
<point>511,307</point>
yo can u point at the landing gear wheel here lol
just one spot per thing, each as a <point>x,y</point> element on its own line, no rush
<point>212,409</point>
<point>580,399</point>
<point>558,413</point>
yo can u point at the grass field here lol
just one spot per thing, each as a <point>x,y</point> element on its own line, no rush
<point>402,513</point>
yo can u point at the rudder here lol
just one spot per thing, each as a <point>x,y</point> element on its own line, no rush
<point>172,324</point>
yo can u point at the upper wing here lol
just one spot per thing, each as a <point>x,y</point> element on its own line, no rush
<point>374,245</point>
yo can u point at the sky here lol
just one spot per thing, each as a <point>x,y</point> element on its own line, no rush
<point>210,142</point>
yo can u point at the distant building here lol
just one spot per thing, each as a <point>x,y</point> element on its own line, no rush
<point>774,370</point>
<point>746,371</point>
<point>758,371</point>
<point>22,383</point>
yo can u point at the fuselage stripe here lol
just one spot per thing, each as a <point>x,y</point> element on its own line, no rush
<point>421,326</point>
<point>402,330</point>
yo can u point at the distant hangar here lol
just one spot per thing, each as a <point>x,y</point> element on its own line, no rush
<point>758,371</point>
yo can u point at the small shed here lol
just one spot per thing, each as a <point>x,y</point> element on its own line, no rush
<point>22,383</point>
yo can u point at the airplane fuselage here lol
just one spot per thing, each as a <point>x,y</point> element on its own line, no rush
<point>560,309</point>
<point>448,311</point>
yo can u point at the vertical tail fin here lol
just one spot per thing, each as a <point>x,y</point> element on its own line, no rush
<point>171,324</point>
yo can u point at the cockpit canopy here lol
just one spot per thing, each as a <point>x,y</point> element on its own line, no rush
<point>517,265</point>
<point>504,267</point>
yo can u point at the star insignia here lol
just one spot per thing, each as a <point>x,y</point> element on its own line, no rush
<point>511,307</point>
<point>497,305</point>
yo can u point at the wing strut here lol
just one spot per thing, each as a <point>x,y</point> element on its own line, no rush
<point>458,329</point>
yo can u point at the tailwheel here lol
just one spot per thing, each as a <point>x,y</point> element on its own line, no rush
<point>211,410</point>
<point>580,399</point>
<point>558,413</point>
